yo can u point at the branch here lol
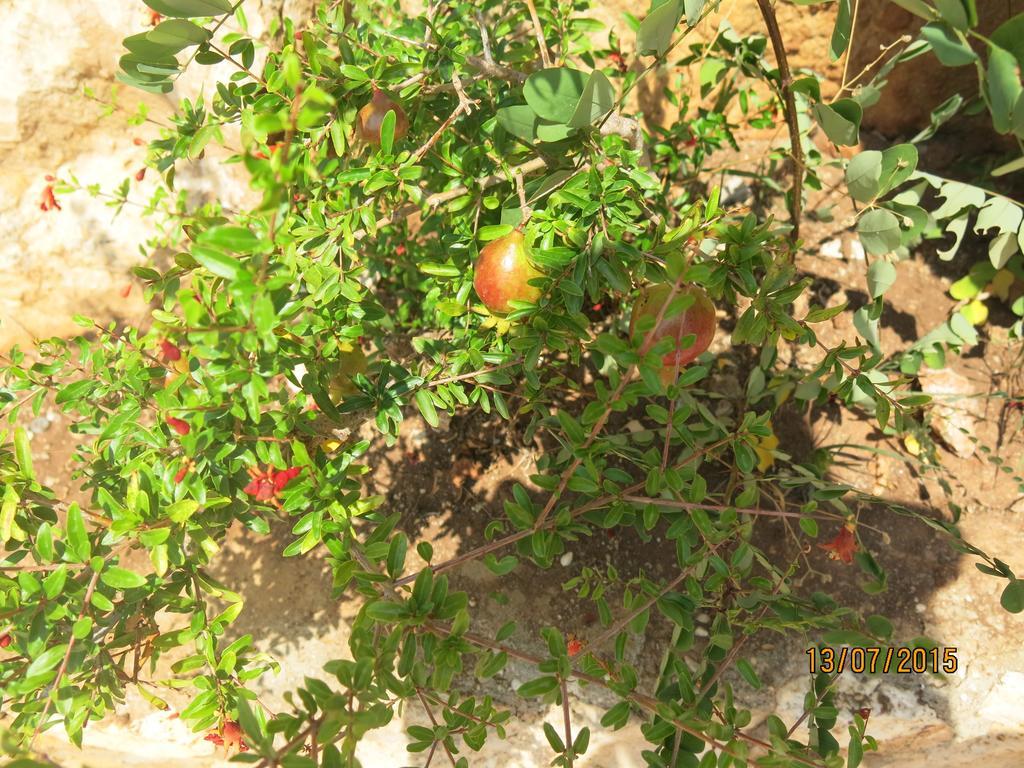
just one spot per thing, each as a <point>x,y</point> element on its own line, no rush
<point>538,31</point>
<point>786,83</point>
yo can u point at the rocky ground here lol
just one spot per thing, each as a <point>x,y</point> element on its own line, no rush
<point>448,483</point>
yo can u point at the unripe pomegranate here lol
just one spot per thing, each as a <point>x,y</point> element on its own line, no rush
<point>503,273</point>
<point>370,118</point>
<point>698,320</point>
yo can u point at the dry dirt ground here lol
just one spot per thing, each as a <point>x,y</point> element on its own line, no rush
<point>448,483</point>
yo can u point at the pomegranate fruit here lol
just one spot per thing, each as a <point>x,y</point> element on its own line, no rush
<point>503,273</point>
<point>371,117</point>
<point>697,320</point>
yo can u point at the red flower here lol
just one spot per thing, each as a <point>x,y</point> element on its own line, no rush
<point>140,174</point>
<point>138,142</point>
<point>230,736</point>
<point>267,484</point>
<point>261,488</point>
<point>842,546</point>
<point>400,250</point>
<point>180,474</point>
<point>169,351</point>
<point>692,141</point>
<point>48,202</point>
<point>155,18</point>
<point>179,426</point>
<point>864,713</point>
<point>126,290</point>
<point>285,476</point>
<point>616,58</point>
<point>5,640</point>
<point>50,177</point>
<point>574,646</point>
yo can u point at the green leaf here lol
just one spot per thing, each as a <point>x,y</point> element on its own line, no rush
<point>841,31</point>
<point>46,661</point>
<point>219,263</point>
<point>180,511</point>
<point>1012,598</point>
<point>881,276</point>
<point>1004,87</point>
<point>519,120</point>
<point>879,230</point>
<point>7,512</point>
<point>385,610</point>
<point>396,554</point>
<point>898,164</point>
<point>595,102</point>
<point>553,94</point>
<point>617,716</point>
<point>693,10</point>
<point>655,33</point>
<point>949,48</point>
<point>122,578</point>
<point>23,452</point>
<point>190,8</point>
<point>387,132</point>
<point>840,121</point>
<point>426,405</point>
<point>1010,36</point>
<point>863,176</point>
<point>554,740</point>
<point>953,12</point>
<point>176,34</point>
<point>1010,167</point>
<point>916,7</point>
<point>538,687</point>
<point>77,538</point>
<point>747,673</point>
<point>237,239</point>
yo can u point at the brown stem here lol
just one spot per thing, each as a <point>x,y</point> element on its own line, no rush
<point>786,83</point>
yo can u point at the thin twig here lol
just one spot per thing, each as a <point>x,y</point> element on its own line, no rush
<point>538,31</point>
<point>647,343</point>
<point>464,107</point>
<point>55,688</point>
<point>569,754</point>
<point>786,85</point>
<point>485,38</point>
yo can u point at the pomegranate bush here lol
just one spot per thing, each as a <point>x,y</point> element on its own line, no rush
<point>476,181</point>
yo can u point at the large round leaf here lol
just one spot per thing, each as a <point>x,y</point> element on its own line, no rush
<point>554,93</point>
<point>879,230</point>
<point>190,8</point>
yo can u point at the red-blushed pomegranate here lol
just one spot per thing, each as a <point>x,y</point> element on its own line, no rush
<point>503,273</point>
<point>698,320</point>
<point>370,118</point>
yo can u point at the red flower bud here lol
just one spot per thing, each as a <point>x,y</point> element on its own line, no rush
<point>170,352</point>
<point>48,201</point>
<point>179,426</point>
<point>126,290</point>
<point>50,177</point>
<point>180,474</point>
<point>138,142</point>
<point>155,18</point>
<point>574,646</point>
<point>5,640</point>
<point>140,174</point>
